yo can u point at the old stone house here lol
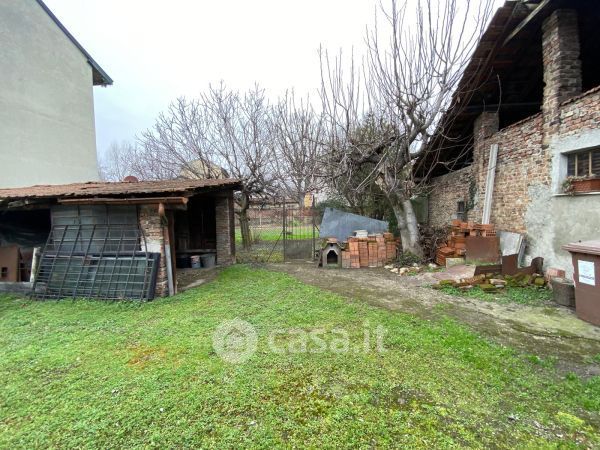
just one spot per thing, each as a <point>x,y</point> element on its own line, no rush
<point>112,240</point>
<point>533,121</point>
<point>47,130</point>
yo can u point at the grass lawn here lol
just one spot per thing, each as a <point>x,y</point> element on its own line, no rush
<point>95,374</point>
<point>275,234</point>
<point>529,295</point>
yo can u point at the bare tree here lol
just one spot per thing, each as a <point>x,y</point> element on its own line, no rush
<point>400,92</point>
<point>223,131</point>
<point>237,132</point>
<point>116,163</point>
<point>297,138</point>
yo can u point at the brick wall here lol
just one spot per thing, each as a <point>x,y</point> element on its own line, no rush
<point>153,231</point>
<point>225,229</point>
<point>562,66</point>
<point>522,162</point>
<point>531,156</point>
<point>579,113</point>
<point>446,192</point>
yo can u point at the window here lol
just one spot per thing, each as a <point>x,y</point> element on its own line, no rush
<point>584,164</point>
<point>460,211</point>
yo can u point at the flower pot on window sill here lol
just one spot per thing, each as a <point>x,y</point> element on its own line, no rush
<point>585,185</point>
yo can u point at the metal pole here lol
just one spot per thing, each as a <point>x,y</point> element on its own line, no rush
<point>284,229</point>
<point>312,213</point>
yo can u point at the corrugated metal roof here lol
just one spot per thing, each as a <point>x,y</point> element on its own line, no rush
<point>100,76</point>
<point>117,189</point>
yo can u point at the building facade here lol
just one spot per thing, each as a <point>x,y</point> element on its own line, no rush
<point>540,156</point>
<point>47,130</point>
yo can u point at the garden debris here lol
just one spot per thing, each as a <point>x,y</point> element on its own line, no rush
<point>492,282</point>
<point>484,246</point>
<point>482,249</point>
<point>431,239</point>
<point>511,243</point>
<point>510,266</point>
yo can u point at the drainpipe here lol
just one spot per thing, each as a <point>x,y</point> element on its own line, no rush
<point>168,262</point>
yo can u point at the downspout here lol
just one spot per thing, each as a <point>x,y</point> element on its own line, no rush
<point>168,262</point>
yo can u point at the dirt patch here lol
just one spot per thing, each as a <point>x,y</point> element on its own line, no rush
<point>191,278</point>
<point>143,355</point>
<point>559,335</point>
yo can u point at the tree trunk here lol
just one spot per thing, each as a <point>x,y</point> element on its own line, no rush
<point>245,221</point>
<point>408,225</point>
<point>412,227</point>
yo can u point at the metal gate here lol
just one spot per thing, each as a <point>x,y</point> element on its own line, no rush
<point>300,233</point>
<point>280,232</point>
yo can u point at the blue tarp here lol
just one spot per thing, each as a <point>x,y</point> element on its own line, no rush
<point>341,225</point>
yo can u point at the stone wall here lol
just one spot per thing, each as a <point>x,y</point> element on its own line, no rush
<point>446,192</point>
<point>152,228</point>
<point>225,229</point>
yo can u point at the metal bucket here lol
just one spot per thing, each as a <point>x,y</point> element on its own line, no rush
<point>195,261</point>
<point>208,260</point>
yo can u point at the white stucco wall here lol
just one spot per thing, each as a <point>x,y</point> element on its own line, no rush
<point>47,133</point>
<point>554,219</point>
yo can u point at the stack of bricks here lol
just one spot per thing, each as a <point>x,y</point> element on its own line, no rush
<point>346,261</point>
<point>372,243</point>
<point>354,253</point>
<point>391,247</point>
<point>381,251</point>
<point>363,252</point>
<point>372,251</point>
<point>455,246</point>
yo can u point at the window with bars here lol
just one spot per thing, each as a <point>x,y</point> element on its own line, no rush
<point>584,164</point>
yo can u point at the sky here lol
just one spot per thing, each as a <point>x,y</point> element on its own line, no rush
<point>158,50</point>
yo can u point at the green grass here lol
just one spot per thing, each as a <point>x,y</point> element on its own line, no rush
<point>530,295</point>
<point>95,374</point>
<point>274,234</point>
<point>270,235</point>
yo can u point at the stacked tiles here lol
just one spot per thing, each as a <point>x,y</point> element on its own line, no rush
<point>455,246</point>
<point>354,253</point>
<point>372,251</point>
<point>363,251</point>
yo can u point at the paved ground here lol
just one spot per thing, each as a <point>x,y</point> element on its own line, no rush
<point>543,331</point>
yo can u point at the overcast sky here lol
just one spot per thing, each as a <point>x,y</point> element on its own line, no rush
<point>157,50</point>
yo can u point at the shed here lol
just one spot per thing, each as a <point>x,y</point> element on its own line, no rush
<point>115,240</point>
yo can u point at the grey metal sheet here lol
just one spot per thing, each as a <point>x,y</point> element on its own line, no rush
<point>341,225</point>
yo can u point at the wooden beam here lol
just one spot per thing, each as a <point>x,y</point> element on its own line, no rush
<point>535,13</point>
<point>125,201</point>
<point>26,204</point>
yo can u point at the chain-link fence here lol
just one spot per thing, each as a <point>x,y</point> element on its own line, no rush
<point>279,233</point>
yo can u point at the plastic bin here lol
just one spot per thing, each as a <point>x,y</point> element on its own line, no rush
<point>586,262</point>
